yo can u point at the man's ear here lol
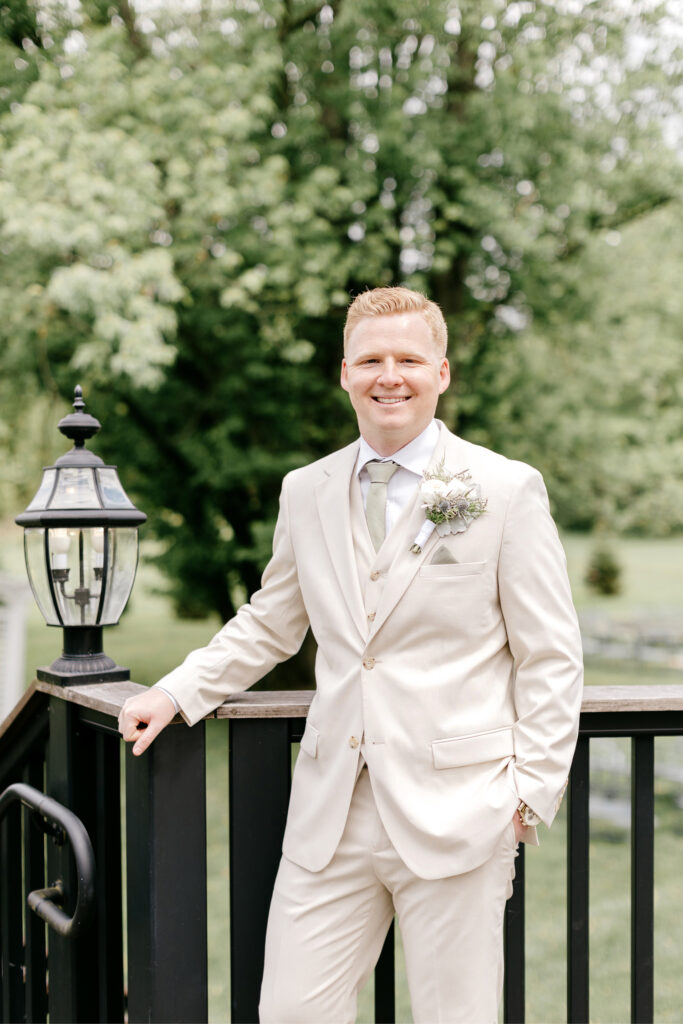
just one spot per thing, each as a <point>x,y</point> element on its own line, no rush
<point>444,376</point>
<point>344,376</point>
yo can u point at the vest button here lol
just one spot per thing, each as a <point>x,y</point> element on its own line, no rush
<point>369,663</point>
<point>371,616</point>
<point>375,575</point>
<point>353,742</point>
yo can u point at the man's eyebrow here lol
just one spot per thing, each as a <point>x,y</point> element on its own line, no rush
<point>361,356</point>
<point>375,354</point>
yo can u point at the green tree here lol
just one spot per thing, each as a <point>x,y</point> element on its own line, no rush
<point>188,200</point>
<point>596,400</point>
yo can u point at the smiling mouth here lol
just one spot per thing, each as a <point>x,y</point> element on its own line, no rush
<point>390,401</point>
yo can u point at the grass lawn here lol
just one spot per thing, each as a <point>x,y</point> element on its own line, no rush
<point>151,642</point>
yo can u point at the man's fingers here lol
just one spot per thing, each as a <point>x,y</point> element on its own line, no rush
<point>143,737</point>
<point>142,718</point>
<point>131,724</point>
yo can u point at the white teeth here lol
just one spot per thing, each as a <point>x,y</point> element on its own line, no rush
<point>391,401</point>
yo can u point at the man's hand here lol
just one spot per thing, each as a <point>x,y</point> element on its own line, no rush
<point>143,717</point>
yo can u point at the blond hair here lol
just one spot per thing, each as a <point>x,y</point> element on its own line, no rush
<point>389,301</point>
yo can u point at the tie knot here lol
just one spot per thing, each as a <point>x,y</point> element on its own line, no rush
<point>381,472</point>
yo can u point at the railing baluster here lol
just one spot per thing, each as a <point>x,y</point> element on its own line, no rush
<point>260,758</point>
<point>385,981</point>
<point>642,878</point>
<point>578,840</point>
<point>106,837</point>
<point>34,878</point>
<point>166,867</point>
<point>70,779</point>
<point>514,984</point>
<point>11,910</point>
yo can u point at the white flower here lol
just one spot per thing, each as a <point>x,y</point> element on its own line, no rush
<point>457,487</point>
<point>434,491</point>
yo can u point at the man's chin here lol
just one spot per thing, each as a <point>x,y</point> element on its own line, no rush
<point>390,435</point>
<point>401,412</point>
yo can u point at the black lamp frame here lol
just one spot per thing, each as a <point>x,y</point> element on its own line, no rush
<point>83,659</point>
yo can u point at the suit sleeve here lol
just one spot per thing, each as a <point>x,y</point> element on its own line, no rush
<point>545,642</point>
<point>267,630</point>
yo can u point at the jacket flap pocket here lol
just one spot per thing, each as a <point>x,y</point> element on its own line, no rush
<point>309,740</point>
<point>473,749</point>
<point>450,570</point>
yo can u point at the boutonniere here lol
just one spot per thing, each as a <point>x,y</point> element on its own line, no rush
<point>451,502</point>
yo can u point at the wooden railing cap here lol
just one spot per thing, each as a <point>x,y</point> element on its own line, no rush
<point>109,698</point>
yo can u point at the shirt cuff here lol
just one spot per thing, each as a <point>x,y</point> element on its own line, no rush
<point>169,695</point>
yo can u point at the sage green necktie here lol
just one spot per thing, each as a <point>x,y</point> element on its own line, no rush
<point>380,474</point>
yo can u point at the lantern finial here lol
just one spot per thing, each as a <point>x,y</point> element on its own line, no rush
<point>79,425</point>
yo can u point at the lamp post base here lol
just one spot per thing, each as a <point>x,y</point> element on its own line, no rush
<point>83,674</point>
<point>83,660</point>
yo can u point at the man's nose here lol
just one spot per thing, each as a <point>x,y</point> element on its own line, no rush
<point>390,374</point>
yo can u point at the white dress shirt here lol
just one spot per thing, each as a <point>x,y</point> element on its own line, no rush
<point>412,459</point>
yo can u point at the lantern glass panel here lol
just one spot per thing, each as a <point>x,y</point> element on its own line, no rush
<point>34,548</point>
<point>44,491</point>
<point>122,564</point>
<point>76,584</point>
<point>75,489</point>
<point>113,494</point>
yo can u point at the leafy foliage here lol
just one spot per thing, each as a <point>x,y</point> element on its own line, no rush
<point>188,200</point>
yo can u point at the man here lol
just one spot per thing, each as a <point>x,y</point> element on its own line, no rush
<point>448,688</point>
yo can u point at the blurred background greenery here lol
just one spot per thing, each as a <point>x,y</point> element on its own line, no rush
<point>190,193</point>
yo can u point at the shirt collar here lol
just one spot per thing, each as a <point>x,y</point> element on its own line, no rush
<point>414,456</point>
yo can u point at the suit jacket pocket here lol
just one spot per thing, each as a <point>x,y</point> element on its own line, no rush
<point>309,740</point>
<point>451,570</point>
<point>476,748</point>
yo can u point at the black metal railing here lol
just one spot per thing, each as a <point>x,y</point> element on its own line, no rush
<point>259,751</point>
<point>64,742</point>
<point>642,726</point>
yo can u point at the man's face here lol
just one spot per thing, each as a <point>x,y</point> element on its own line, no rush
<point>394,375</point>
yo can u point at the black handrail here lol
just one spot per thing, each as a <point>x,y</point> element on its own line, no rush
<point>62,824</point>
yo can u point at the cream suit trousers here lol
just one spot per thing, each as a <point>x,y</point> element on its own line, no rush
<point>326,929</point>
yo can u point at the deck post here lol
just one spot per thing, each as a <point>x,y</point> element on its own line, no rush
<point>166,870</point>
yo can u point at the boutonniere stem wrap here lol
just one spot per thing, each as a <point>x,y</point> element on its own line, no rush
<point>451,502</point>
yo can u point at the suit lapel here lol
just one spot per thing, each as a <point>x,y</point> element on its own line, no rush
<point>333,500</point>
<point>405,564</point>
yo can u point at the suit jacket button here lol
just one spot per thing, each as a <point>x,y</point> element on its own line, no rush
<point>375,575</point>
<point>369,663</point>
<point>371,616</point>
<point>353,742</point>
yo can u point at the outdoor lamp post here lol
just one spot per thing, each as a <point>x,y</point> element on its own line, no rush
<point>81,549</point>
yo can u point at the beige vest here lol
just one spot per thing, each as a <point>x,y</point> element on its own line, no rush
<point>373,566</point>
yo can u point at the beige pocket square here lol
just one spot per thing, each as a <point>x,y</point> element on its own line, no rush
<point>442,556</point>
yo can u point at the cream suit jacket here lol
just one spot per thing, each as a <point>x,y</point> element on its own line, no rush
<point>466,686</point>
